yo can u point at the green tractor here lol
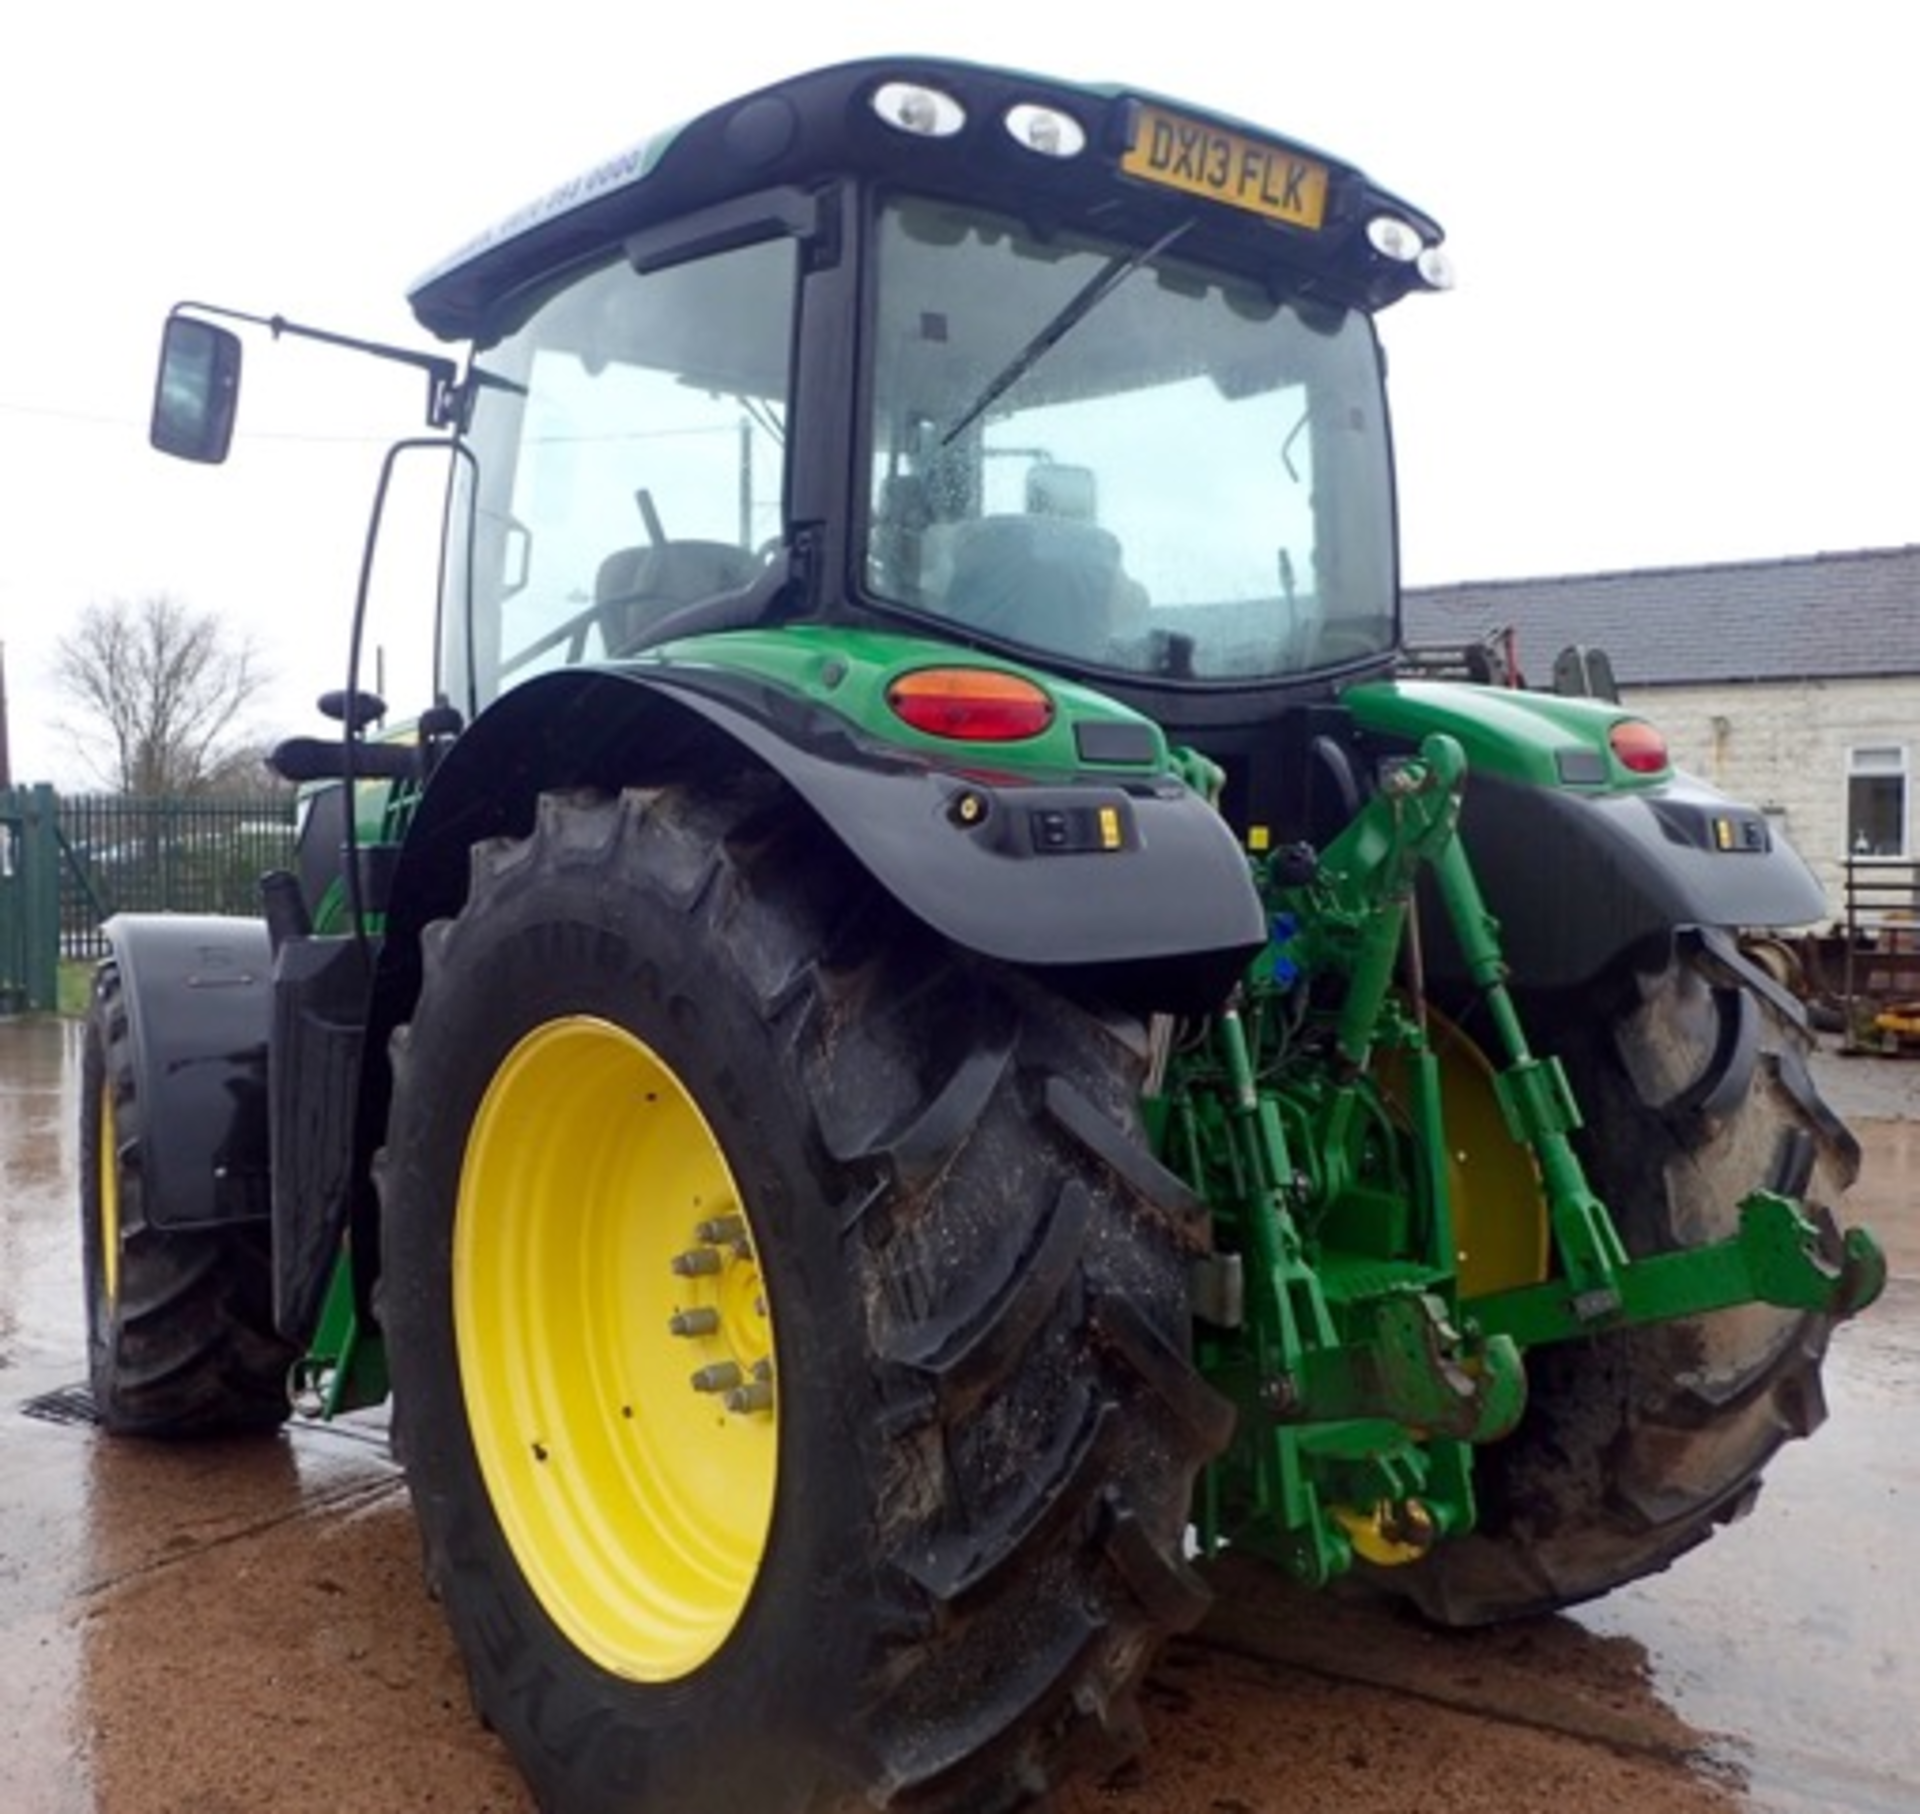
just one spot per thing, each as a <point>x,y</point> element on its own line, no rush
<point>920,1035</point>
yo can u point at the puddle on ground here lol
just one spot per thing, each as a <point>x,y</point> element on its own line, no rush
<point>1796,1632</point>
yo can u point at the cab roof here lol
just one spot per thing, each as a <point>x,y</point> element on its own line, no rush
<point>812,128</point>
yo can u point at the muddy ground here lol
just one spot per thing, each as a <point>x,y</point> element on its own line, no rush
<point>234,1630</point>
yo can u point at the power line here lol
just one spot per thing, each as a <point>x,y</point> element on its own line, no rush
<point>133,425</point>
<point>65,415</point>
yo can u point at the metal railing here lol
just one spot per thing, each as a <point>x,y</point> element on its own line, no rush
<point>68,863</point>
<point>1880,965</point>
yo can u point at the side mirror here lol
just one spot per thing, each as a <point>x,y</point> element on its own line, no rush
<point>198,392</point>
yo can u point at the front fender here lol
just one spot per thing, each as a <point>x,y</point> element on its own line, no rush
<point>198,995</point>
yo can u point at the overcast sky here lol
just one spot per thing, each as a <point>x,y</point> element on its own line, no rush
<point>1687,250</point>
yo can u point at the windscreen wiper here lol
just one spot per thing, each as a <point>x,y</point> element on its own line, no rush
<point>1078,307</point>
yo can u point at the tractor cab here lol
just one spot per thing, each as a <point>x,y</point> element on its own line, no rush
<point>1060,373</point>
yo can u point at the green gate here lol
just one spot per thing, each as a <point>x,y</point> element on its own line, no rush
<point>69,863</point>
<point>29,900</point>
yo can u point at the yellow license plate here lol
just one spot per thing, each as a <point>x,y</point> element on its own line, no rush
<point>1203,159</point>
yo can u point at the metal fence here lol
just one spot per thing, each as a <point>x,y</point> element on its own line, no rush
<point>68,863</point>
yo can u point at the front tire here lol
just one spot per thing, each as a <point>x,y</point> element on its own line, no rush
<point>180,1334</point>
<point>926,1558</point>
<point>1637,1446</point>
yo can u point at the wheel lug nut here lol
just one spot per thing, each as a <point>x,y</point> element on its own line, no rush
<point>720,1230</point>
<point>755,1396</point>
<point>696,1261</point>
<point>699,1321</point>
<point>722,1376</point>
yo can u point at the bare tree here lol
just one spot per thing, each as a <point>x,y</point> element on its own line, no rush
<point>160,690</point>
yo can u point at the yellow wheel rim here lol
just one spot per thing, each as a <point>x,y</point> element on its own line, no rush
<point>615,1348</point>
<point>109,1205</point>
<point>1500,1224</point>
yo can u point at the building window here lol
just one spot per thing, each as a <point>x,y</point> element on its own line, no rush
<point>1877,800</point>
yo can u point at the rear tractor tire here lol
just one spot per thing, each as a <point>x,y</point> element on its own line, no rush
<point>180,1333</point>
<point>789,1333</point>
<point>1635,1447</point>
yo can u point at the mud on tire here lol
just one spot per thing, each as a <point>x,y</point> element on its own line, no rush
<point>1637,1446</point>
<point>180,1333</point>
<point>988,1426</point>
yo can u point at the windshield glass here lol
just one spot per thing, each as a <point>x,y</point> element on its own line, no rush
<point>1120,457</point>
<point>629,458</point>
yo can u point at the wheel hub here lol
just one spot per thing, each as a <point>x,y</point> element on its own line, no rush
<point>616,1348</point>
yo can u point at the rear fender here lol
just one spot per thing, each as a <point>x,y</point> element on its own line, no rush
<point>1580,859</point>
<point>198,995</point>
<point>1577,880</point>
<point>1133,886</point>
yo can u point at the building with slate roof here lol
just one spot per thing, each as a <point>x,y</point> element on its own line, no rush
<point>1793,684</point>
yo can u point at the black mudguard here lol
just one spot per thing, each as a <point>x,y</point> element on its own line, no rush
<point>994,862</point>
<point>198,995</point>
<point>1577,879</point>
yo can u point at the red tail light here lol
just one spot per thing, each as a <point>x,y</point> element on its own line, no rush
<point>971,705</point>
<point>1638,746</point>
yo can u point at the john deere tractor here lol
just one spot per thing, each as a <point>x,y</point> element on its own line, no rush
<point>919,1035</point>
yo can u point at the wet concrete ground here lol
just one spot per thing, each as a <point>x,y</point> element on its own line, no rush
<point>235,1629</point>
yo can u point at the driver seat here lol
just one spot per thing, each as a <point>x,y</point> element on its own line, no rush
<point>636,587</point>
<point>1046,580</point>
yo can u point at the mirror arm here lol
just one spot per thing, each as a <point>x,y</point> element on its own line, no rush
<point>443,375</point>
